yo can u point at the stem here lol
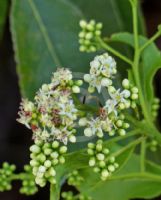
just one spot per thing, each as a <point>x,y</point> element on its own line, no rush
<point>146,128</point>
<point>53,192</point>
<point>142,155</point>
<point>148,176</point>
<point>20,176</point>
<point>113,51</point>
<point>135,66</point>
<point>116,139</point>
<point>132,144</point>
<point>137,175</point>
<point>152,39</point>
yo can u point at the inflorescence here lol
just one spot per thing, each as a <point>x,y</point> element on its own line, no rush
<point>54,117</point>
<point>6,173</point>
<point>89,35</point>
<point>44,158</point>
<point>28,182</point>
<point>101,160</point>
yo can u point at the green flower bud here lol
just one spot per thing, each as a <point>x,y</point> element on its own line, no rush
<point>102,164</point>
<point>35,149</point>
<point>47,163</point>
<point>63,149</point>
<point>90,152</point>
<point>91,145</point>
<point>92,162</point>
<point>61,159</point>
<point>134,96</point>
<point>100,156</point>
<point>122,132</point>
<point>75,89</point>
<point>135,90</point>
<point>83,121</point>
<point>126,84</point>
<point>55,144</point>
<point>104,174</point>
<point>111,168</point>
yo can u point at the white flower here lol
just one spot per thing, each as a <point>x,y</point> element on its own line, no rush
<point>25,113</point>
<point>62,134</point>
<point>95,127</point>
<point>118,96</point>
<point>110,106</point>
<point>68,111</point>
<point>107,125</point>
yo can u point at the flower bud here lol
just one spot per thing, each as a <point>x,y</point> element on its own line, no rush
<point>63,149</point>
<point>92,162</point>
<point>83,24</point>
<point>100,156</point>
<point>135,90</point>
<point>104,174</point>
<point>88,132</point>
<point>42,169</point>
<point>55,144</point>
<point>111,168</point>
<point>47,163</point>
<point>61,159</point>
<point>75,89</point>
<point>83,121</point>
<point>72,139</point>
<point>125,83</point>
<point>35,149</point>
<point>122,132</point>
<point>134,96</point>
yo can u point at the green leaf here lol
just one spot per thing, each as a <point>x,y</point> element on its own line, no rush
<point>45,35</point>
<point>126,184</point>
<point>150,63</point>
<point>3,15</point>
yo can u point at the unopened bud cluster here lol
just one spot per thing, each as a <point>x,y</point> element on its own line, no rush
<point>133,94</point>
<point>74,178</point>
<point>44,158</point>
<point>28,183</point>
<point>71,196</point>
<point>6,173</point>
<point>155,107</point>
<point>100,159</point>
<point>88,35</point>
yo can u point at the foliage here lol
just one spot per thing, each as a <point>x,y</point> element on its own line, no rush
<point>50,40</point>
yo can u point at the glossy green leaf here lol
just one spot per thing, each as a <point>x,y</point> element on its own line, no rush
<point>3,15</point>
<point>45,35</point>
<point>150,63</point>
<point>128,183</point>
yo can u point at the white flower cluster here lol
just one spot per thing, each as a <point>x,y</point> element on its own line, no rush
<point>88,36</point>
<point>100,159</point>
<point>53,114</point>
<point>44,158</point>
<point>110,118</point>
<point>102,71</point>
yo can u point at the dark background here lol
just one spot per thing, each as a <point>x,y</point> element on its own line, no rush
<point>15,138</point>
